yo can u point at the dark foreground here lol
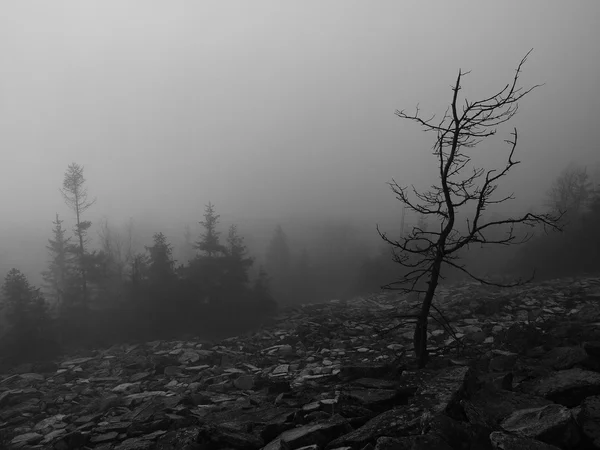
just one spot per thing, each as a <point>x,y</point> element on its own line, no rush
<point>520,370</point>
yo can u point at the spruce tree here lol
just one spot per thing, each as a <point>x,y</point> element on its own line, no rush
<point>161,266</point>
<point>209,242</point>
<point>25,307</point>
<point>59,275</point>
<point>238,263</point>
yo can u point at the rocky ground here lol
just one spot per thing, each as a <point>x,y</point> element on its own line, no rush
<point>511,369</point>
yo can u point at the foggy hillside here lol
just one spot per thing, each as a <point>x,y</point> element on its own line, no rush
<point>299,224</point>
<point>284,117</point>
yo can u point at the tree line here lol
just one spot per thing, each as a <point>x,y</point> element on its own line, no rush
<point>113,293</point>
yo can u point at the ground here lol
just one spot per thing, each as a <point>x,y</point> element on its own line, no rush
<point>519,368</point>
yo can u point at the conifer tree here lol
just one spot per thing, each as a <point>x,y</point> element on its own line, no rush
<point>25,307</point>
<point>161,266</point>
<point>58,276</point>
<point>209,242</point>
<point>75,196</point>
<point>238,262</point>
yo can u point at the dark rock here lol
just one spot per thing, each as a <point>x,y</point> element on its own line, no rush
<point>500,404</point>
<point>567,387</point>
<point>351,411</point>
<point>562,358</point>
<point>400,421</point>
<point>521,336</point>
<point>358,371</point>
<point>186,438</point>
<point>320,434</point>
<point>135,444</point>
<point>73,440</point>
<point>503,362</point>
<point>443,393</point>
<point>592,348</point>
<point>375,383</point>
<point>589,420</point>
<point>420,442</point>
<point>454,433</point>
<point>504,441</point>
<point>376,399</point>
<point>279,387</point>
<point>15,396</point>
<point>23,440</point>
<point>105,437</point>
<point>226,436</point>
<point>552,424</point>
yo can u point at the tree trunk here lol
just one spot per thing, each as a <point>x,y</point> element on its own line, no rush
<point>420,336</point>
<point>81,257</point>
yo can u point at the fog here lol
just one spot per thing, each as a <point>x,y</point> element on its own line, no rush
<point>276,112</point>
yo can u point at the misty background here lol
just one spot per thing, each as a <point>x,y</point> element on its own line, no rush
<point>277,113</point>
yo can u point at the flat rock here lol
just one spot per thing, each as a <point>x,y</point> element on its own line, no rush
<point>567,387</point>
<point>504,441</point>
<point>400,421</point>
<point>562,358</point>
<point>420,442</point>
<point>551,424</point>
<point>23,440</point>
<point>319,434</point>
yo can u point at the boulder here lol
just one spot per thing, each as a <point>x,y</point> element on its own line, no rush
<point>566,387</point>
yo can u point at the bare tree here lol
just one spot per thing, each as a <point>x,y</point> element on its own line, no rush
<point>571,191</point>
<point>461,184</point>
<point>75,195</point>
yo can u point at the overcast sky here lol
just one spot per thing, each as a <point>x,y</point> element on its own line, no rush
<point>272,108</point>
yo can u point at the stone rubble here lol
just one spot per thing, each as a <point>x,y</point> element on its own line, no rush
<point>519,368</point>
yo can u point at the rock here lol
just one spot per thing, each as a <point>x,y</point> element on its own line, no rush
<point>445,390</point>
<point>319,434</point>
<point>567,387</point>
<point>453,432</point>
<point>227,436</point>
<point>32,377</point>
<point>376,399</point>
<point>286,350</point>
<point>26,439</point>
<point>127,387</point>
<point>589,420</point>
<point>503,361</point>
<point>400,421</point>
<point>105,437</point>
<point>281,369</point>
<point>421,442</point>
<point>499,404</point>
<point>504,441</point>
<point>245,382</point>
<point>352,372</point>
<point>561,358</point>
<point>592,348</point>
<point>552,424</point>
<point>135,444</point>
<point>375,383</point>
